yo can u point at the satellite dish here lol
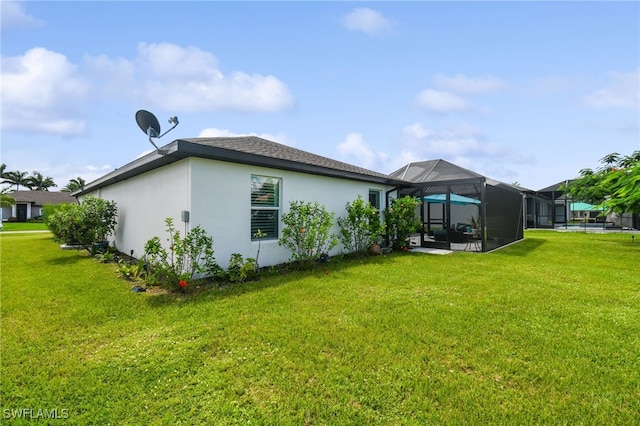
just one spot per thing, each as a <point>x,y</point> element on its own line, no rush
<point>149,124</point>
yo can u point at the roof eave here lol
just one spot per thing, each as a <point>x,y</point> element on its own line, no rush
<point>180,149</point>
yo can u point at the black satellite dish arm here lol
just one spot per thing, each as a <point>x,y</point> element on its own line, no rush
<point>175,122</point>
<point>151,131</point>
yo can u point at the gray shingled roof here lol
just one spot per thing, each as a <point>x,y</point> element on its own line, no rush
<point>270,151</point>
<point>250,150</point>
<point>40,198</point>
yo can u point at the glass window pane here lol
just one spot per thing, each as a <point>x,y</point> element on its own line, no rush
<point>374,199</point>
<point>265,191</point>
<point>266,221</point>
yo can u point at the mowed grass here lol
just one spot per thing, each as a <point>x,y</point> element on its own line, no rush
<point>24,226</point>
<point>544,331</point>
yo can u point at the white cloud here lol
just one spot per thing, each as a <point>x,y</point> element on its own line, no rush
<point>188,79</point>
<point>443,102</point>
<point>40,90</point>
<point>212,132</point>
<point>460,83</point>
<point>461,144</point>
<point>356,150</point>
<point>623,91</point>
<point>368,21</point>
<point>43,92</point>
<point>13,15</point>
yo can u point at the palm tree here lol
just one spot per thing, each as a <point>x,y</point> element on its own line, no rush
<point>7,201</point>
<point>75,184</point>
<point>15,178</point>
<point>38,182</point>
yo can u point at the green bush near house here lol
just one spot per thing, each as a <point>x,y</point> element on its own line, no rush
<point>88,223</point>
<point>307,231</point>
<point>541,332</point>
<point>361,226</point>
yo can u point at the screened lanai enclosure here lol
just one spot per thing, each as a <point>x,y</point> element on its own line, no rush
<point>461,209</point>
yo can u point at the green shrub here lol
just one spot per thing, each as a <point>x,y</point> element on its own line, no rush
<point>401,220</point>
<point>187,258</point>
<point>90,222</point>
<point>131,271</point>
<point>307,231</point>
<point>361,227</point>
<point>239,269</point>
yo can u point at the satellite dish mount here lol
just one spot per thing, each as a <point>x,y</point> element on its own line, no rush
<point>149,124</point>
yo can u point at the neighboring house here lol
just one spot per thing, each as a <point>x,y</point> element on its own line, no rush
<point>550,207</point>
<point>231,187</point>
<point>29,204</point>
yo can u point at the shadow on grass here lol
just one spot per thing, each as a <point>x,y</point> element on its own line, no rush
<point>267,280</point>
<point>522,248</point>
<point>68,260</point>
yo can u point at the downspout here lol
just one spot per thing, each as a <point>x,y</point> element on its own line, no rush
<point>483,215</point>
<point>448,215</point>
<point>422,216</point>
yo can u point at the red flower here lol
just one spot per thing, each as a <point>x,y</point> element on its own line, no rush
<point>302,230</point>
<point>182,283</point>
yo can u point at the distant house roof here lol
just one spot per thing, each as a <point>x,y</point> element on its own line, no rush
<point>40,198</point>
<point>556,187</point>
<point>250,150</point>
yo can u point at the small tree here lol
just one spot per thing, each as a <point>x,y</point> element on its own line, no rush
<point>7,201</point>
<point>361,227</point>
<point>189,257</point>
<point>307,231</point>
<point>401,220</point>
<point>87,223</point>
<point>614,186</point>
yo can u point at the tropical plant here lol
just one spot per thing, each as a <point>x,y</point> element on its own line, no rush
<point>361,227</point>
<point>188,257</point>
<point>131,270</point>
<point>307,231</point>
<point>75,184</point>
<point>7,200</point>
<point>614,186</point>
<point>38,182</point>
<point>474,222</point>
<point>239,269</point>
<point>16,178</point>
<point>401,220</point>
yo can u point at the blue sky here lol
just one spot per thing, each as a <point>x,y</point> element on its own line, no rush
<point>527,92</point>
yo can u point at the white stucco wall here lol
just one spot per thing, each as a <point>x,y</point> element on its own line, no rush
<point>145,201</point>
<point>221,203</point>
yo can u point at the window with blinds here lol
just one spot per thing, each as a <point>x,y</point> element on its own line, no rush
<point>265,206</point>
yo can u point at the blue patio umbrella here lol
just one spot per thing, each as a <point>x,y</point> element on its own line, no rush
<point>455,199</point>
<point>583,207</point>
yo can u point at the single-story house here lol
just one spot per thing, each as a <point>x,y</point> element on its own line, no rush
<point>29,204</point>
<point>551,208</point>
<point>231,187</point>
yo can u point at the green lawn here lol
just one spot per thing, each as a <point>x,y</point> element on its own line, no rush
<point>23,226</point>
<point>543,332</point>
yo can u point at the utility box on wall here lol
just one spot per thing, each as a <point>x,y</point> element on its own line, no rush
<point>184,215</point>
